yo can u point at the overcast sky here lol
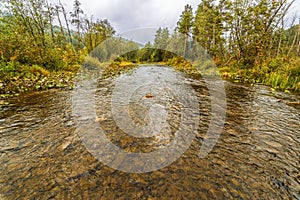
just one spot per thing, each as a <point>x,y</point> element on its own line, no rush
<point>128,15</point>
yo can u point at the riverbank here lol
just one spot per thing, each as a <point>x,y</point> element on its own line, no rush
<point>16,79</point>
<point>35,82</point>
<point>280,74</point>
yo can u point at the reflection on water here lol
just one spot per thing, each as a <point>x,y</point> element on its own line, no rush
<point>256,157</point>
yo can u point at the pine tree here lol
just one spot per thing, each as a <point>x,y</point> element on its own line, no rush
<point>209,27</point>
<point>76,19</point>
<point>185,24</point>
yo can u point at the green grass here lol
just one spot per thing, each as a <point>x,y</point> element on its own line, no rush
<point>280,74</point>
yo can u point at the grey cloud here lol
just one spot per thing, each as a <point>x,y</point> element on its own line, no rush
<point>129,14</point>
<point>126,15</point>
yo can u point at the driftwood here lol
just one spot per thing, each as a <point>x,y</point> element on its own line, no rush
<point>293,103</point>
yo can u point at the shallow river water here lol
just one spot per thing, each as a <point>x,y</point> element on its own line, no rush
<point>257,156</point>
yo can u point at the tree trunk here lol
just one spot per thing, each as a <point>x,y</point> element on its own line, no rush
<point>61,26</point>
<point>51,21</point>
<point>293,44</point>
<point>298,48</point>
<point>67,22</point>
<point>184,48</point>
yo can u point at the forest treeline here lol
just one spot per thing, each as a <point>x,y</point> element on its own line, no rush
<point>42,44</point>
<point>250,41</point>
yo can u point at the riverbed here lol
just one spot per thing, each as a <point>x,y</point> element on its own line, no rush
<point>257,155</point>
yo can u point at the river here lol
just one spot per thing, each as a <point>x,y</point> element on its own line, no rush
<point>257,155</point>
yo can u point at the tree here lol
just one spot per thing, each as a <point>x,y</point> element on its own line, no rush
<point>66,21</point>
<point>28,34</point>
<point>62,32</point>
<point>185,24</point>
<point>96,32</point>
<point>253,24</point>
<point>146,53</point>
<point>76,19</point>
<point>160,44</point>
<point>31,22</point>
<point>210,26</point>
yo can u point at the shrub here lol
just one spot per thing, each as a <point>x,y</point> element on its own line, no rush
<point>54,59</point>
<point>38,71</point>
<point>91,63</point>
<point>10,69</point>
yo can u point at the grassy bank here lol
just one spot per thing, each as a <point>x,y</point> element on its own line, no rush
<point>280,74</point>
<point>16,78</point>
